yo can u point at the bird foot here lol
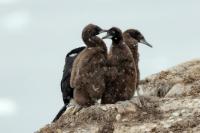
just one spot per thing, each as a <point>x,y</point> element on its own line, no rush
<point>76,109</point>
<point>73,109</point>
<point>140,99</point>
<point>98,102</point>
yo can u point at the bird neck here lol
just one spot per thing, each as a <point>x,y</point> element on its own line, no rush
<point>117,42</point>
<point>95,41</point>
<point>135,53</point>
<point>133,46</point>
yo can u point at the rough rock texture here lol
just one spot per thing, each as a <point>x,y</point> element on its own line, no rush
<point>180,80</point>
<point>172,104</point>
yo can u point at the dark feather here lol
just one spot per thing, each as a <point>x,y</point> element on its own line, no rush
<point>66,89</point>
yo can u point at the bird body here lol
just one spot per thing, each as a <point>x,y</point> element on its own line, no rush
<point>88,71</point>
<point>131,38</point>
<point>121,78</point>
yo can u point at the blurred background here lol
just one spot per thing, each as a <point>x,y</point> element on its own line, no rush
<point>35,36</point>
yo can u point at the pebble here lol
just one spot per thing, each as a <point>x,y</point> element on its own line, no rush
<point>59,131</point>
<point>176,114</point>
<point>104,108</point>
<point>72,124</point>
<point>166,125</point>
<point>124,120</point>
<point>118,117</point>
<point>183,111</point>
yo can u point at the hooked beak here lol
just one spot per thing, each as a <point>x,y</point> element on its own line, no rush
<point>146,43</point>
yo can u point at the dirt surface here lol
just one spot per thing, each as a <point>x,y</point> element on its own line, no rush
<point>172,104</point>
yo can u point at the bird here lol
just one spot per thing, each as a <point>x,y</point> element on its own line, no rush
<point>121,75</point>
<point>66,89</point>
<point>131,38</point>
<point>89,68</point>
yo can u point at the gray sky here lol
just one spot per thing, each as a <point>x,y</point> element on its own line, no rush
<point>35,36</point>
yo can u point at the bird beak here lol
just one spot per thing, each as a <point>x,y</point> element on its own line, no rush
<point>102,31</point>
<point>107,36</point>
<point>143,41</point>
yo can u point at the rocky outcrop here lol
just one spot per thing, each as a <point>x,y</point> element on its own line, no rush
<point>180,80</point>
<point>172,103</point>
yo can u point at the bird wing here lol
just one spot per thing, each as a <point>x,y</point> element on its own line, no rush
<point>75,51</point>
<point>90,72</point>
<point>75,68</point>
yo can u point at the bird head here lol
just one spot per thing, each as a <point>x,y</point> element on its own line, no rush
<point>136,35</point>
<point>115,34</point>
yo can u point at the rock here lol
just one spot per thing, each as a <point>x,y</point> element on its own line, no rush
<point>180,80</point>
<point>172,104</point>
<point>118,117</point>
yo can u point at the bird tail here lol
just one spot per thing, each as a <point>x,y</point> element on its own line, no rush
<point>62,110</point>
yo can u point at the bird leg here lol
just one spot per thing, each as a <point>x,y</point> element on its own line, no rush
<point>140,98</point>
<point>73,107</point>
<point>98,102</point>
<point>76,109</point>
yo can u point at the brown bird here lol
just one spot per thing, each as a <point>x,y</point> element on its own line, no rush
<point>131,38</point>
<point>88,71</point>
<point>121,78</point>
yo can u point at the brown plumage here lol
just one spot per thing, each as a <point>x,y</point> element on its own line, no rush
<point>121,78</point>
<point>88,71</point>
<point>131,38</point>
